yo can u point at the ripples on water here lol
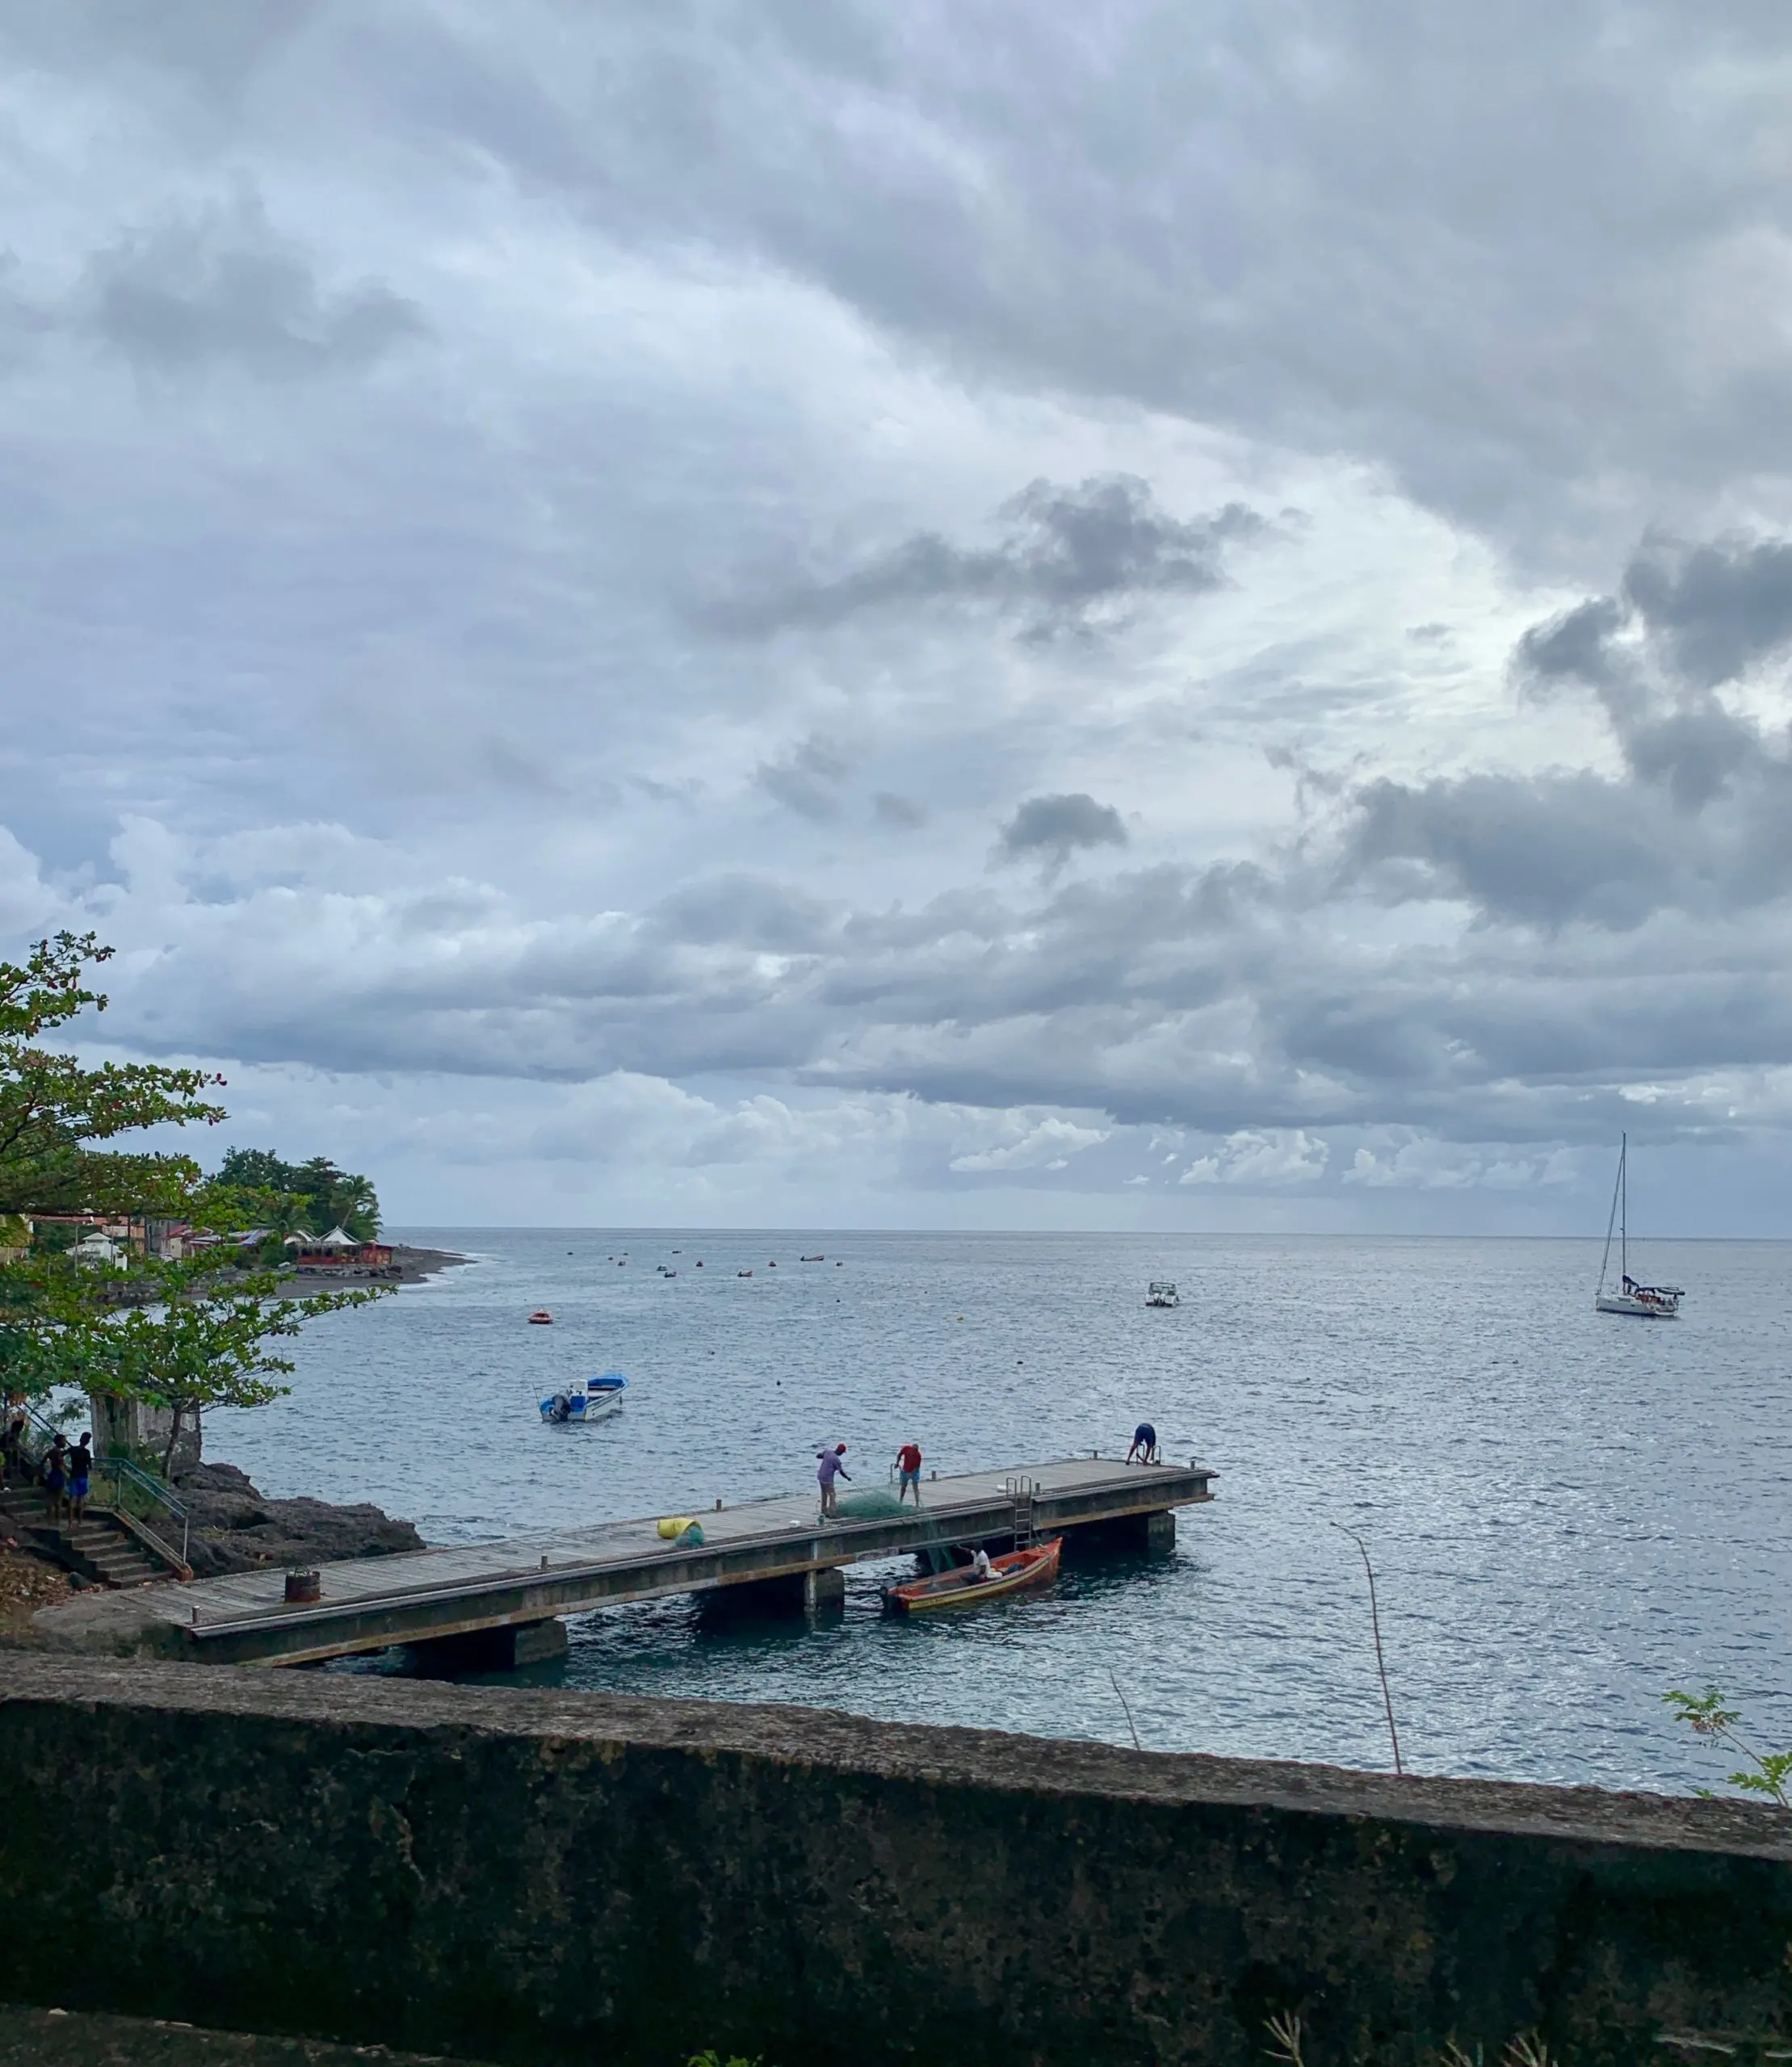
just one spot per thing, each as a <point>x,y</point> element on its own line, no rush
<point>1568,1512</point>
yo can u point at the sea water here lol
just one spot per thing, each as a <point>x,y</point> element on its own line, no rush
<point>1568,1514</point>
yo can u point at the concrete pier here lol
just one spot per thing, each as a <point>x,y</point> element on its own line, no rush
<point>780,1548</point>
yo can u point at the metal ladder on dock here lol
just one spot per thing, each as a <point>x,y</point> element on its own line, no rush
<point>1024,1494</point>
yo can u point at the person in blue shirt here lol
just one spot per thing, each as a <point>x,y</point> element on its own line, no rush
<point>1144,1445</point>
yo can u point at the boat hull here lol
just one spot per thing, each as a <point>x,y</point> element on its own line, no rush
<point>1637,1309</point>
<point>590,1403</point>
<point>1020,1571</point>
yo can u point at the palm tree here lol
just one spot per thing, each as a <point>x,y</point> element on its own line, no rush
<point>292,1216</point>
<point>355,1207</point>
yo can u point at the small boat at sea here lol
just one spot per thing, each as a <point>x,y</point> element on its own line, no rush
<point>811,1259</point>
<point>743,1273</point>
<point>583,1404</point>
<point>1020,1571</point>
<point>541,1318</point>
<point>1160,1292</point>
<point>1640,1302</point>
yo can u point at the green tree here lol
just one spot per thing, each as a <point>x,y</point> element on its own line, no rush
<point>323,1196</point>
<point>206,1345</point>
<point>201,1336</point>
<point>51,1109</point>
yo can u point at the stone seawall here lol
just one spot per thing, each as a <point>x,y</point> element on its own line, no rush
<point>537,1877</point>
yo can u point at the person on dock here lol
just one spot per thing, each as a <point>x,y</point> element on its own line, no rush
<point>830,1465</point>
<point>1144,1445</point>
<point>80,1466</point>
<point>56,1478</point>
<point>909,1465</point>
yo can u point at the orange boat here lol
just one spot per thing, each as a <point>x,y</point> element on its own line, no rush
<point>541,1318</point>
<point>1020,1571</point>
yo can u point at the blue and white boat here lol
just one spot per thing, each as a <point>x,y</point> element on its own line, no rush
<point>589,1400</point>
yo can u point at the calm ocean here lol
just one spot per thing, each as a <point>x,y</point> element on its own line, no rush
<point>1568,1513</point>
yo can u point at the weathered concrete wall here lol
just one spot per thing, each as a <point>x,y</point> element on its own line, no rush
<point>542,1876</point>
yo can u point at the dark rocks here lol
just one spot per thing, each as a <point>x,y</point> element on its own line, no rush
<point>234,1528</point>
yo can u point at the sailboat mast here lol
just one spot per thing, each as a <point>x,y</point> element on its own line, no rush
<point>1611,1222</point>
<point>1624,1209</point>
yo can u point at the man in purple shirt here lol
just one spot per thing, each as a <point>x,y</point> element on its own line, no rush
<point>830,1465</point>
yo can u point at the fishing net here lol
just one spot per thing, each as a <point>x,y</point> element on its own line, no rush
<point>874,1504</point>
<point>878,1502</point>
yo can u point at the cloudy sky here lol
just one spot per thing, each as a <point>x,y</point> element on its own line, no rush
<point>967,614</point>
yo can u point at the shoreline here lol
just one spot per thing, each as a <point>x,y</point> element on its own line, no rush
<point>409,1266</point>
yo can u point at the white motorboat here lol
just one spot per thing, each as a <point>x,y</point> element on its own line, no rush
<point>584,1403</point>
<point>1160,1292</point>
<point>1630,1295</point>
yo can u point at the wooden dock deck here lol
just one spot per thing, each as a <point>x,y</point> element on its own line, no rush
<point>426,1596</point>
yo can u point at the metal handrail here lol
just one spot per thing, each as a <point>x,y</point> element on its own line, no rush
<point>133,1490</point>
<point>129,1478</point>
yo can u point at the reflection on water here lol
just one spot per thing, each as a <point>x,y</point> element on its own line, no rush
<point>1568,1513</point>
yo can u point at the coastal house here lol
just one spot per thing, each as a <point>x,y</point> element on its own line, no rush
<point>165,1240</point>
<point>336,1253</point>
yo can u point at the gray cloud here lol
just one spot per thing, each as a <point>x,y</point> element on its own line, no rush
<point>1112,211</point>
<point>806,780</point>
<point>370,716</point>
<point>217,44</point>
<point>1701,820</point>
<point>900,813</point>
<point>1070,557</point>
<point>217,286</point>
<point>1051,829</point>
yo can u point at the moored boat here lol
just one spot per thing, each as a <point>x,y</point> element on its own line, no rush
<point>1160,1292</point>
<point>541,1318</point>
<point>1020,1571</point>
<point>584,1403</point>
<point>1629,1296</point>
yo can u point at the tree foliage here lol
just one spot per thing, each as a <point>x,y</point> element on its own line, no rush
<point>1709,1715</point>
<point>205,1344</point>
<point>313,1197</point>
<point>51,1109</point>
<point>199,1331</point>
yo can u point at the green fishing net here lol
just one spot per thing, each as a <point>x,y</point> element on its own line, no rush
<point>872,1504</point>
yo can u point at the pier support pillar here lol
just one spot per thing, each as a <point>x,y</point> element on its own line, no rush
<point>822,1593</point>
<point>501,1649</point>
<point>1155,1533</point>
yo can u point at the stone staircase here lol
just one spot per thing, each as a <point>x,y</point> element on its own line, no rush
<point>99,1547</point>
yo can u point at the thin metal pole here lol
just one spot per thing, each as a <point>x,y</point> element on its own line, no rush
<point>1381,1663</point>
<point>1130,1724</point>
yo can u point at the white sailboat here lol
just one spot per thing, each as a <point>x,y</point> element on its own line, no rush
<point>1643,1302</point>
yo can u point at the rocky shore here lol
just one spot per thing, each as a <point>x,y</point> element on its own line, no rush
<point>235,1528</point>
<point>408,1266</point>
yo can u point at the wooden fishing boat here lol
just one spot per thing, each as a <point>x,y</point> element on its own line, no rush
<point>1020,1571</point>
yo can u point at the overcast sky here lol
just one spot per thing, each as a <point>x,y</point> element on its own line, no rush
<point>976,613</point>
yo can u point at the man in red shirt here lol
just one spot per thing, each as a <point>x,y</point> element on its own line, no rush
<point>909,1463</point>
